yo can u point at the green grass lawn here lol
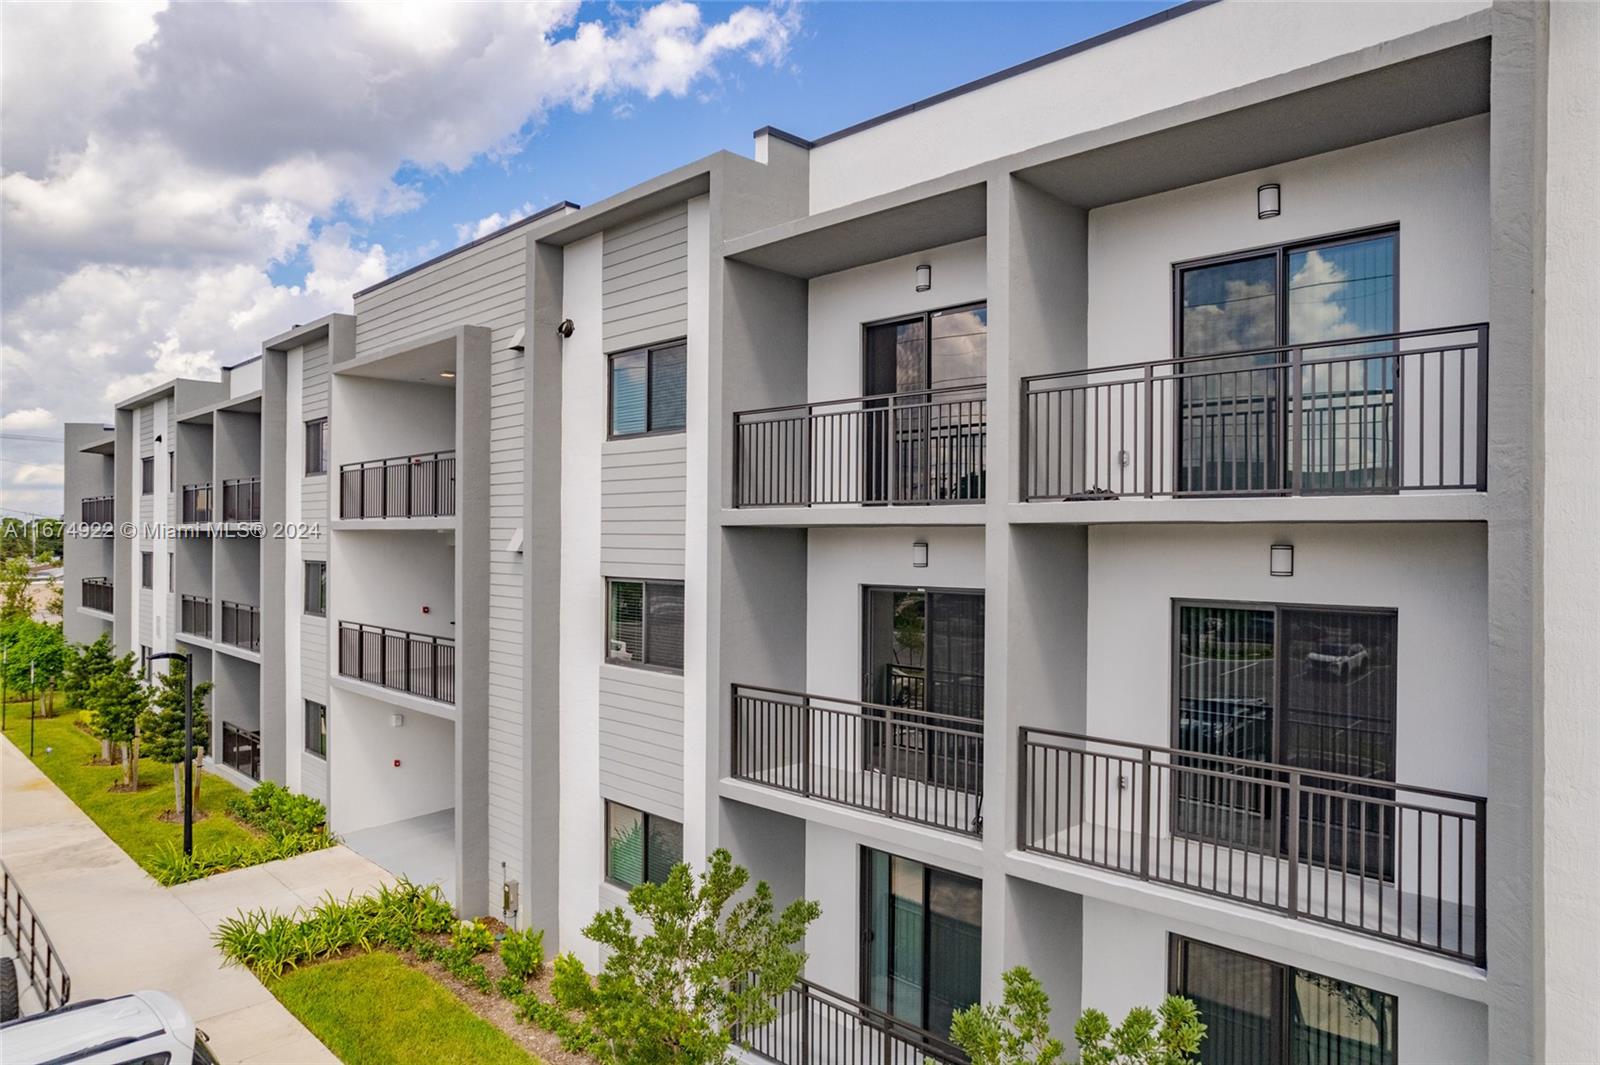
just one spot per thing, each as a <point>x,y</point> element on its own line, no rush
<point>131,819</point>
<point>374,1009</point>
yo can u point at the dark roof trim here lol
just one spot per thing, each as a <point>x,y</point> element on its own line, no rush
<point>243,362</point>
<point>784,135</point>
<point>559,205</point>
<point>1009,72</point>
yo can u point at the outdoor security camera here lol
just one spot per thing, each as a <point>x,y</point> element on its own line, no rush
<point>564,330</point>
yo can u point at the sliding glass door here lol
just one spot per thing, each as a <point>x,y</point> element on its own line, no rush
<point>1311,688</point>
<point>923,651</point>
<point>1258,1012</point>
<point>1234,410</point>
<point>928,372</point>
<point>921,940</point>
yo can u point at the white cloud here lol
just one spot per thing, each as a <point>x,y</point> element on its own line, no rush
<point>31,419</point>
<point>160,167</point>
<point>468,231</point>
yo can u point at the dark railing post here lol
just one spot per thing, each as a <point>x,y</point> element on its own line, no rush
<point>805,1022</point>
<point>1480,883</point>
<point>805,744</point>
<point>888,763</point>
<point>1024,790</point>
<point>1293,824</point>
<point>1144,815</point>
<point>805,467</point>
<point>1483,408</point>
<point>1296,392</point>
<point>1149,431</point>
<point>735,763</point>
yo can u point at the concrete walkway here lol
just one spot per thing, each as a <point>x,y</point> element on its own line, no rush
<point>117,930</point>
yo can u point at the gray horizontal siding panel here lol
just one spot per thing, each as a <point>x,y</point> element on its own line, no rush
<point>314,776</point>
<point>642,504</point>
<point>641,739</point>
<point>644,280</point>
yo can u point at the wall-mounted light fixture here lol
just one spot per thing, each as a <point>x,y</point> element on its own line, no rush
<point>919,554</point>
<point>924,277</point>
<point>397,721</point>
<point>564,330</point>
<point>1281,563</point>
<point>448,375</point>
<point>518,340</point>
<point>1269,201</point>
<point>158,438</point>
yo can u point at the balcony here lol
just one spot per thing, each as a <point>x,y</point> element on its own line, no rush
<point>95,594</point>
<point>194,615</point>
<point>241,500</point>
<point>412,486</point>
<point>1400,412</point>
<point>241,750</point>
<point>241,625</point>
<point>99,510</point>
<point>906,448</point>
<point>1393,861</point>
<point>404,661</point>
<point>816,1026</point>
<point>195,508</point>
<point>905,764</point>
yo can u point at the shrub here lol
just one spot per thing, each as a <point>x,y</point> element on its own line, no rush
<point>277,811</point>
<point>523,953</point>
<point>1143,1038</point>
<point>1017,1032</point>
<point>270,943</point>
<point>707,968</point>
<point>472,937</point>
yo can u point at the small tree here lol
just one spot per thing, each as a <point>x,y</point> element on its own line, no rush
<point>1142,1038</point>
<point>677,994</point>
<point>161,726</point>
<point>34,643</point>
<point>83,665</point>
<point>15,573</point>
<point>1017,1032</point>
<point>117,698</point>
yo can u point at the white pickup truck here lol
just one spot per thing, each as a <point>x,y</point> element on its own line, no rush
<point>147,1027</point>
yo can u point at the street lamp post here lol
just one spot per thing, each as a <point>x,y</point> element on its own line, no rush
<point>32,698</point>
<point>188,747</point>
<point>5,693</point>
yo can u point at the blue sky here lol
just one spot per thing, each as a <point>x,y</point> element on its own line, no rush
<point>850,61</point>
<point>191,178</point>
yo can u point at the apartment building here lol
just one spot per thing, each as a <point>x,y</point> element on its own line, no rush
<point>1097,519</point>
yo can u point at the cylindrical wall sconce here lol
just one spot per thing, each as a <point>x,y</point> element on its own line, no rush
<point>924,278</point>
<point>1281,563</point>
<point>1269,201</point>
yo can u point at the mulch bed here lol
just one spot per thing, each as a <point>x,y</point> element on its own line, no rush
<point>175,817</point>
<point>501,1012</point>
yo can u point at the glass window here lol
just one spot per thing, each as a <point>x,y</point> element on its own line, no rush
<point>644,623</point>
<point>147,476</point>
<point>1342,290</point>
<point>1258,1012</point>
<point>648,390</point>
<point>317,445</point>
<point>640,847</point>
<point>1231,306</point>
<point>316,590</point>
<point>923,938</point>
<point>147,569</point>
<point>316,728</point>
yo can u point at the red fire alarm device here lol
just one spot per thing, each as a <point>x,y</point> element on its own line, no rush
<point>425,610</point>
<point>397,763</point>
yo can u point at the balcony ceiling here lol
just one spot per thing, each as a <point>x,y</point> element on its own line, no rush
<point>1439,87</point>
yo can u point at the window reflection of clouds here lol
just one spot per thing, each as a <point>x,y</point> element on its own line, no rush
<point>960,347</point>
<point>1230,307</point>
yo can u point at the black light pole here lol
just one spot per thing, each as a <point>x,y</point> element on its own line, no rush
<point>5,693</point>
<point>188,748</point>
<point>31,700</point>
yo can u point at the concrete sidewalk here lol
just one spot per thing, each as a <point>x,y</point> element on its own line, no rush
<point>117,930</point>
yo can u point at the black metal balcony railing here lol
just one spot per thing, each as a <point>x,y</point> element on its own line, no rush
<point>904,448</point>
<point>412,486</point>
<point>241,625</point>
<point>241,499</point>
<point>196,507</point>
<point>908,764</point>
<point>404,661</point>
<point>241,750</point>
<point>816,1025</point>
<point>95,594</point>
<point>1399,412</point>
<point>1395,861</point>
<point>194,615</point>
<point>36,956</point>
<point>99,510</point>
